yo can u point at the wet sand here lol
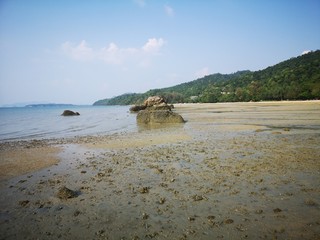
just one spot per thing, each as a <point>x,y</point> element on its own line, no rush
<point>232,171</point>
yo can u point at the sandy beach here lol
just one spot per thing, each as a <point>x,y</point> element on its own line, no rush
<point>232,171</point>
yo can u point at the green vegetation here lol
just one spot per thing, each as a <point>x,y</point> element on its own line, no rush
<point>295,79</point>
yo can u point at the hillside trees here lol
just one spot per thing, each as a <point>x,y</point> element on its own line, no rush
<point>294,79</point>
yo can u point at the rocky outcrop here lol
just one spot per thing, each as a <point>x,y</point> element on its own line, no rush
<point>158,117</point>
<point>69,113</point>
<point>152,103</point>
<point>154,100</point>
<point>162,106</point>
<point>155,110</point>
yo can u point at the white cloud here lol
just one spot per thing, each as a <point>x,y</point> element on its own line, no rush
<point>305,52</point>
<point>202,72</point>
<point>112,54</point>
<point>79,52</point>
<point>153,45</point>
<point>115,55</point>
<point>169,10</point>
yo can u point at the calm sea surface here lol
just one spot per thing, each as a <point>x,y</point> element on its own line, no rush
<point>46,122</point>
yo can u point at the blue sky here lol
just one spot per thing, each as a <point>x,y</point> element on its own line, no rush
<point>66,51</point>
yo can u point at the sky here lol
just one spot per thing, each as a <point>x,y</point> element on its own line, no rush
<point>77,51</point>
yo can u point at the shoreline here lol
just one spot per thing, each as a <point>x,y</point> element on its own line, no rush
<point>238,171</point>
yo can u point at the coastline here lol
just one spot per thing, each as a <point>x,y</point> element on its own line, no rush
<point>231,169</point>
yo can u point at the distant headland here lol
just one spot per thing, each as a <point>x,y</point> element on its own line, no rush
<point>49,105</point>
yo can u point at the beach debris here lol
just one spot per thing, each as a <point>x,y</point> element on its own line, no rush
<point>69,113</point>
<point>66,193</point>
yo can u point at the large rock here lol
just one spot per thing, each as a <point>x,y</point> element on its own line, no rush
<point>158,117</point>
<point>154,100</point>
<point>69,113</point>
<point>162,106</point>
<point>152,103</point>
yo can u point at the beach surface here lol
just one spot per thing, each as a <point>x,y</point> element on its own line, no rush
<point>232,171</point>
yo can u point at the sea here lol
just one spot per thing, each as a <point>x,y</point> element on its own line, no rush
<point>46,122</point>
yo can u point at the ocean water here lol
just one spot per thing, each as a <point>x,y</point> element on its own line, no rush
<point>28,123</point>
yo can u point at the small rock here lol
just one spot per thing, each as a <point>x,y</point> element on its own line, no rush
<point>24,203</point>
<point>65,193</point>
<point>228,221</point>
<point>277,210</point>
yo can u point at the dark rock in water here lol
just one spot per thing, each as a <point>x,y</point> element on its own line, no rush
<point>69,113</point>
<point>137,108</point>
<point>65,193</point>
<point>159,116</point>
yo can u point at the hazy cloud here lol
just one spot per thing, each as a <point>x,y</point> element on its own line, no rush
<point>115,55</point>
<point>112,54</point>
<point>305,52</point>
<point>153,45</point>
<point>78,52</point>
<point>169,10</point>
<point>202,72</point>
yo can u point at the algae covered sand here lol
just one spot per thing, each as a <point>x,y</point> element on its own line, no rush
<point>232,171</point>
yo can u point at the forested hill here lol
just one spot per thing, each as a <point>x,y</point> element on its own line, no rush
<point>294,79</point>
